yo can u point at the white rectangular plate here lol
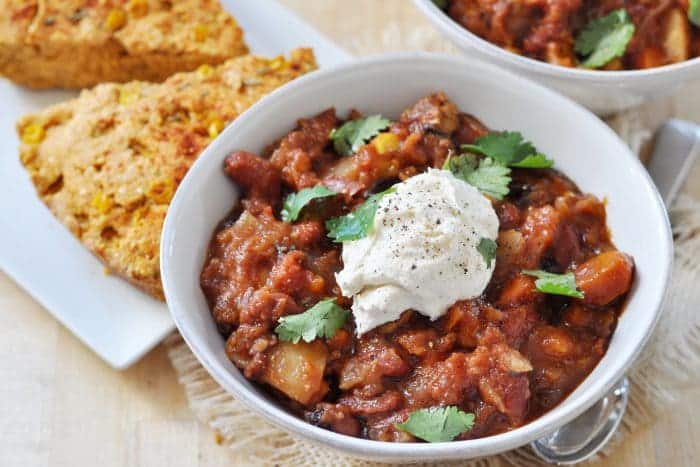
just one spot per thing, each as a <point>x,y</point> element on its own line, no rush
<point>117,321</point>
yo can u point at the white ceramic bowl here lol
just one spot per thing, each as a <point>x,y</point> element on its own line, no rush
<point>582,146</point>
<point>603,92</point>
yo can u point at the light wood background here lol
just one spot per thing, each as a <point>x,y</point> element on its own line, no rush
<point>60,405</point>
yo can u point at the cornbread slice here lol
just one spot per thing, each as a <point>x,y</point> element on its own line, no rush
<point>108,162</point>
<point>78,43</point>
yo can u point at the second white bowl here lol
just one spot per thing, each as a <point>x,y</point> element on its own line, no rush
<point>603,92</point>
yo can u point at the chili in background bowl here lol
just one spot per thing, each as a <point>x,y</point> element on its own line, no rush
<point>603,92</point>
<point>582,146</point>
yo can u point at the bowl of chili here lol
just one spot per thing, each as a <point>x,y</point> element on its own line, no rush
<point>605,56</point>
<point>585,151</point>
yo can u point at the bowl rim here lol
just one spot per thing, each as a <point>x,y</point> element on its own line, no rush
<point>378,450</point>
<point>463,37</point>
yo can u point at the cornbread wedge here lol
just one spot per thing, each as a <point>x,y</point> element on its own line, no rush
<point>108,162</point>
<point>78,44</point>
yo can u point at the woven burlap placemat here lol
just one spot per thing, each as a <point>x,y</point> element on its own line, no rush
<point>670,363</point>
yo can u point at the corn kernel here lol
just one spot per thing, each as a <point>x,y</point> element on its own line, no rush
<point>204,71</point>
<point>116,19</point>
<point>33,133</point>
<point>138,8</point>
<point>200,32</point>
<point>161,191</point>
<point>128,96</point>
<point>317,285</point>
<point>139,214</point>
<point>278,63</point>
<point>27,155</point>
<point>101,202</point>
<point>215,127</point>
<point>386,142</point>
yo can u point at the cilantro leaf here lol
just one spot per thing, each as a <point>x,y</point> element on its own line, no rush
<point>534,161</point>
<point>351,135</point>
<point>555,284</point>
<point>321,320</point>
<point>295,202</point>
<point>487,248</point>
<point>442,4</point>
<point>694,12</point>
<point>490,178</point>
<point>437,424</point>
<point>358,223</point>
<point>604,39</point>
<point>510,149</point>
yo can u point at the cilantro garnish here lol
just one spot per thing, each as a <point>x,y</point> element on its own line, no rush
<point>487,248</point>
<point>437,424</point>
<point>555,284</point>
<point>535,161</point>
<point>351,135</point>
<point>295,202</point>
<point>321,320</point>
<point>511,149</point>
<point>442,4</point>
<point>491,174</point>
<point>604,39</point>
<point>489,177</point>
<point>358,223</point>
<point>694,12</point>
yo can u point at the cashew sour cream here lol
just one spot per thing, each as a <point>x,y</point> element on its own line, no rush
<point>422,251</point>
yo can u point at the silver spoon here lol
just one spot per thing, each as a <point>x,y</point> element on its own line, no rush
<point>676,147</point>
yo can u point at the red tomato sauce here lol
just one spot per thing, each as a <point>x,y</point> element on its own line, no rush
<point>507,356</point>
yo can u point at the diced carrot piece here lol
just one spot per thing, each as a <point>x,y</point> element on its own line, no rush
<point>650,57</point>
<point>614,65</point>
<point>605,277</point>
<point>560,54</point>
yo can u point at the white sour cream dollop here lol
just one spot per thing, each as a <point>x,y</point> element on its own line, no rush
<point>422,252</point>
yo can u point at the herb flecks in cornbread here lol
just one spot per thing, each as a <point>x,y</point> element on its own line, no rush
<point>78,44</point>
<point>108,162</point>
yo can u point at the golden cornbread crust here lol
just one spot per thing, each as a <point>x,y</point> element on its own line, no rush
<point>108,162</point>
<point>80,43</point>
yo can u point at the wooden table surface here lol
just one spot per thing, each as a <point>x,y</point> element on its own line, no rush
<point>60,405</point>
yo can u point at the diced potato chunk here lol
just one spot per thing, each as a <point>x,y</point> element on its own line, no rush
<point>540,228</point>
<point>605,277</point>
<point>297,371</point>
<point>519,291</point>
<point>489,394</point>
<point>510,246</point>
<point>513,361</point>
<point>676,40</point>
<point>556,342</point>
